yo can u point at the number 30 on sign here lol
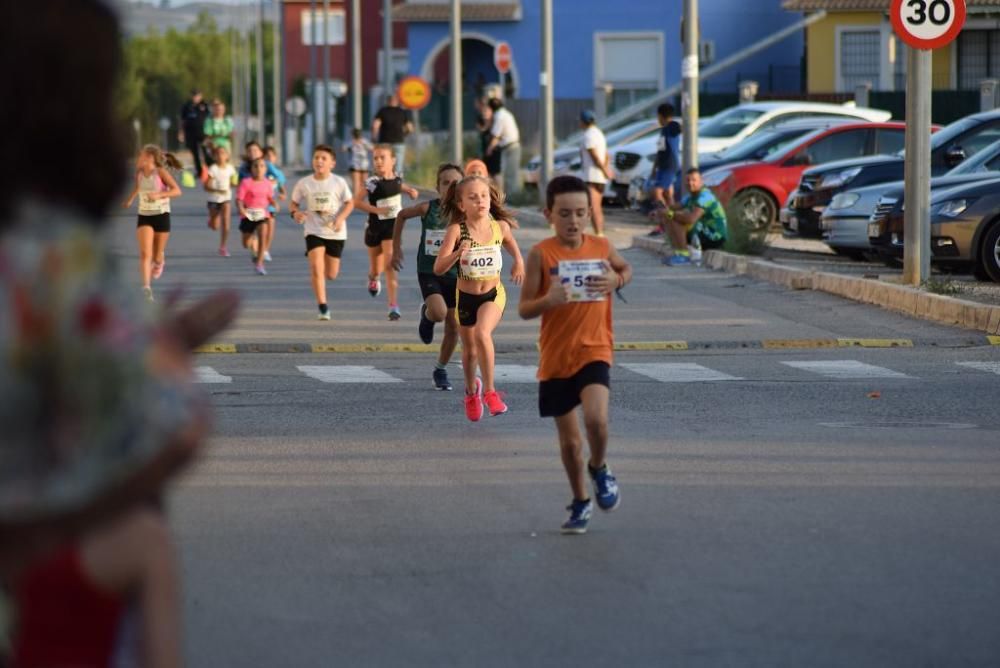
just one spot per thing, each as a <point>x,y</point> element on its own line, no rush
<point>927,24</point>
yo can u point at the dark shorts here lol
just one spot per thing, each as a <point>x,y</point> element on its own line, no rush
<point>160,222</point>
<point>664,180</point>
<point>215,208</point>
<point>558,396</point>
<point>468,305</point>
<point>708,243</point>
<point>378,232</point>
<point>334,247</point>
<point>432,284</point>
<point>248,226</point>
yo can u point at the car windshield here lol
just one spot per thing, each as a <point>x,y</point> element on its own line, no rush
<point>948,133</point>
<point>729,122</point>
<point>761,144</point>
<point>984,161</point>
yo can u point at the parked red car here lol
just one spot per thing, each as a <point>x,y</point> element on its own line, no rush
<point>754,192</point>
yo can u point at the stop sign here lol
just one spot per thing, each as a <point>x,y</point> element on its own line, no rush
<point>502,57</point>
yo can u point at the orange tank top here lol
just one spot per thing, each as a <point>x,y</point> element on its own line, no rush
<point>578,333</point>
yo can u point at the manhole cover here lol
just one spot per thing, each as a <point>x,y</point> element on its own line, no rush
<point>898,424</point>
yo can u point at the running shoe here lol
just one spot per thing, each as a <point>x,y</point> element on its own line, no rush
<point>374,288</point>
<point>261,271</point>
<point>426,326</point>
<point>579,517</point>
<point>267,256</point>
<point>677,260</point>
<point>441,381</point>
<point>223,252</point>
<point>494,403</point>
<point>605,488</point>
<point>323,315</point>
<point>474,403</point>
<point>158,269</point>
<point>147,293</point>
<point>394,313</point>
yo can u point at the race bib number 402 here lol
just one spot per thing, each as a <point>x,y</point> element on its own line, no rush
<point>482,262</point>
<point>578,274</point>
<point>432,242</point>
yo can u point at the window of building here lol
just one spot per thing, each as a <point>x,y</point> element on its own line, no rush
<point>859,58</point>
<point>978,57</point>
<point>627,68</point>
<point>332,27</point>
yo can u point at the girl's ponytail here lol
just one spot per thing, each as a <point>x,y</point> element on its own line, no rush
<point>172,161</point>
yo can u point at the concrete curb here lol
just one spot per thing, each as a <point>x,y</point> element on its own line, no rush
<point>901,298</point>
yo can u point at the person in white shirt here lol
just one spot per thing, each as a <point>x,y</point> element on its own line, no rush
<point>507,140</point>
<point>321,203</point>
<point>219,186</point>
<point>594,160</point>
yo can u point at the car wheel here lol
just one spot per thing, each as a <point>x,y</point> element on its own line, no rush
<point>989,252</point>
<point>754,209</point>
<point>979,271</point>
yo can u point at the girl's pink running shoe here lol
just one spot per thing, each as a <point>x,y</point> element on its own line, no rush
<point>494,403</point>
<point>474,403</point>
<point>158,269</point>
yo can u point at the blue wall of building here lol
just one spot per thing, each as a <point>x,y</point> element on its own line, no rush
<point>731,24</point>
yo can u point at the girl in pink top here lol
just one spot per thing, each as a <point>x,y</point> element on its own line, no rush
<point>253,197</point>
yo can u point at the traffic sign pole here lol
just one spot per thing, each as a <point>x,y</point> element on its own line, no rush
<point>689,74</point>
<point>456,83</point>
<point>917,170</point>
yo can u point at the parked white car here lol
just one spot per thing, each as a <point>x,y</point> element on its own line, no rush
<point>566,158</point>
<point>728,128</point>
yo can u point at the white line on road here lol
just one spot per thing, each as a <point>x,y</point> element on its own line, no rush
<point>348,374</point>
<point>206,374</point>
<point>989,367</point>
<point>846,369</point>
<point>678,372</point>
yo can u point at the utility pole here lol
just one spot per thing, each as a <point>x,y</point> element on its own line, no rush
<point>356,85</point>
<point>312,70</point>
<point>689,76</point>
<point>326,72</point>
<point>277,42</point>
<point>547,81</point>
<point>456,82</point>
<point>387,75</point>
<point>233,61</point>
<point>917,169</point>
<point>259,44</point>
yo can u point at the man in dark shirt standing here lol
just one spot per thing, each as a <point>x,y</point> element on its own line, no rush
<point>391,125</point>
<point>666,176</point>
<point>192,132</point>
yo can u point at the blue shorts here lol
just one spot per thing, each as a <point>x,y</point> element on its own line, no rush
<point>665,180</point>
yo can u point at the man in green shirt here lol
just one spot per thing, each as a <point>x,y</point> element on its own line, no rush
<point>219,128</point>
<point>699,214</point>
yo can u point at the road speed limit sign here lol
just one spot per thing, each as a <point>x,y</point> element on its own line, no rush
<point>927,24</point>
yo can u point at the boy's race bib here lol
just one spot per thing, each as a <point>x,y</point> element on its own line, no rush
<point>321,202</point>
<point>254,215</point>
<point>152,207</point>
<point>394,204</point>
<point>432,242</point>
<point>577,274</point>
<point>481,262</point>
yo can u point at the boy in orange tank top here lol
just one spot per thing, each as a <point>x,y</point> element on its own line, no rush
<point>568,282</point>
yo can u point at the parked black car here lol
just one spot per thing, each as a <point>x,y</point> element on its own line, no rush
<point>953,144</point>
<point>965,228</point>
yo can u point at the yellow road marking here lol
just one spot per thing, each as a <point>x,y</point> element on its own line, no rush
<point>651,345</point>
<point>216,348</point>
<point>373,348</point>
<point>994,340</point>
<point>875,343</point>
<point>774,344</point>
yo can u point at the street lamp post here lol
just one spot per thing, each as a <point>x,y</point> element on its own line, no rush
<point>456,81</point>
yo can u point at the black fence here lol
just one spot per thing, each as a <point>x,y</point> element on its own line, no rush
<point>946,105</point>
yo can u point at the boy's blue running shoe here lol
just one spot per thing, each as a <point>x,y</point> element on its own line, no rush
<point>605,489</point>
<point>426,326</point>
<point>441,381</point>
<point>579,517</point>
<point>679,260</point>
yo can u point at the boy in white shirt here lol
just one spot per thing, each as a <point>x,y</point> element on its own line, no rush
<point>219,186</point>
<point>321,203</point>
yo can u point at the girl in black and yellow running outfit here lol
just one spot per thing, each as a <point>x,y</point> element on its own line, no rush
<point>478,228</point>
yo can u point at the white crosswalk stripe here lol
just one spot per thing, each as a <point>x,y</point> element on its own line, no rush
<point>348,374</point>
<point>206,374</point>
<point>678,372</point>
<point>989,367</point>
<point>515,373</point>
<point>846,369</point>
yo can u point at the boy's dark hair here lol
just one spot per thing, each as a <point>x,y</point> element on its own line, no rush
<point>445,167</point>
<point>693,170</point>
<point>270,149</point>
<point>253,142</point>
<point>88,142</point>
<point>326,149</point>
<point>561,185</point>
<point>356,133</point>
<point>666,110</point>
<point>495,103</point>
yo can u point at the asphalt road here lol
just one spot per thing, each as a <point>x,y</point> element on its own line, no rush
<point>789,507</point>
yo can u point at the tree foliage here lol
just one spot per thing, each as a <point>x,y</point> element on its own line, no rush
<point>161,69</point>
